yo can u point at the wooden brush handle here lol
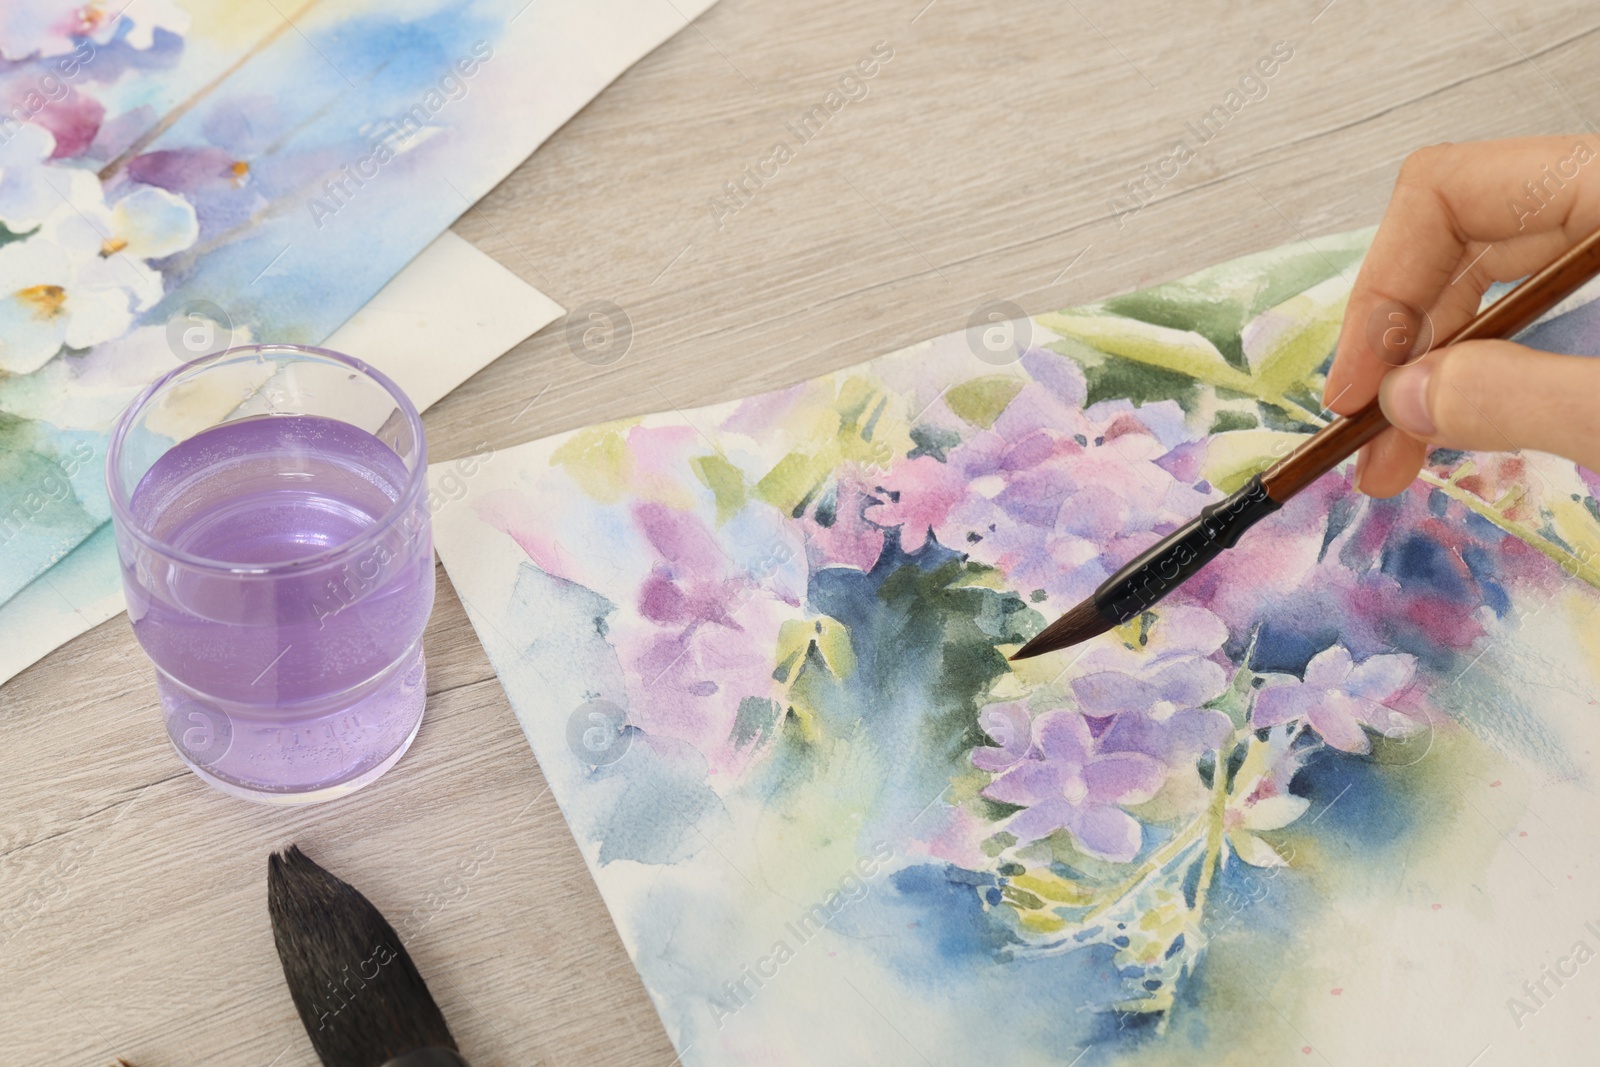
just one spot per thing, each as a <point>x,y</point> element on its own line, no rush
<point>1339,440</point>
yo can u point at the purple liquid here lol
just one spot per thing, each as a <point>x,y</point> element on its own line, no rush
<point>298,670</point>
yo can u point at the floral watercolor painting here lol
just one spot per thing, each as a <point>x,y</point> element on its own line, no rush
<point>1330,802</point>
<point>176,175</point>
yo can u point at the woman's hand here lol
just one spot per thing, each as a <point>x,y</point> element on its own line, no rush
<point>1461,217</point>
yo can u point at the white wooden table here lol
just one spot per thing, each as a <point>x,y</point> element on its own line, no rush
<point>979,165</point>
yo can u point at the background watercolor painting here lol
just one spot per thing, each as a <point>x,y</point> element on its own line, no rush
<point>1331,802</point>
<point>279,163</point>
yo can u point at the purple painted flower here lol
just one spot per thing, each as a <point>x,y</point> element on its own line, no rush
<point>1160,718</point>
<point>1338,697</point>
<point>1010,727</point>
<point>1152,691</point>
<point>1056,495</point>
<point>1067,783</point>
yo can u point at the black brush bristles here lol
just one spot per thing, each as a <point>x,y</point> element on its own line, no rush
<point>358,993</point>
<point>1076,626</point>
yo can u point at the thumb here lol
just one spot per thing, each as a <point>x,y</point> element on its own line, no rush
<point>1495,396</point>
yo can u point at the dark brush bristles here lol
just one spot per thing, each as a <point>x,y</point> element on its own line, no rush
<point>358,993</point>
<point>1076,626</point>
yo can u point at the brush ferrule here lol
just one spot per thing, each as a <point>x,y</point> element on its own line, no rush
<point>1171,561</point>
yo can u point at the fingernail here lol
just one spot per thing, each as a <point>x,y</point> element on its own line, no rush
<point>1332,388</point>
<point>1404,399</point>
<point>1361,467</point>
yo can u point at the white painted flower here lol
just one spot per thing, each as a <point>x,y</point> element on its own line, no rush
<point>26,195</point>
<point>45,302</point>
<point>110,242</point>
<point>1260,799</point>
<point>54,27</point>
<point>81,279</point>
<point>148,223</point>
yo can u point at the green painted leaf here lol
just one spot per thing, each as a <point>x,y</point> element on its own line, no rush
<point>8,236</point>
<point>793,480</point>
<point>1225,421</point>
<point>1232,458</point>
<point>1184,351</point>
<point>1110,378</point>
<point>981,400</point>
<point>725,481</point>
<point>754,723</point>
<point>1217,302</point>
<point>1285,344</point>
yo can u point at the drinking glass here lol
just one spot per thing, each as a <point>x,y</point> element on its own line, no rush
<point>272,526</point>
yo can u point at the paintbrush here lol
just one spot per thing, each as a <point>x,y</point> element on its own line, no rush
<point>1173,560</point>
<point>358,993</point>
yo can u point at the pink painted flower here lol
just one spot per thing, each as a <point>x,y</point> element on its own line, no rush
<point>1337,697</point>
<point>924,491</point>
<point>1067,783</point>
<point>840,535</point>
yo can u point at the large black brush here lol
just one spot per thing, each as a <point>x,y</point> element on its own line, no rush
<point>358,993</point>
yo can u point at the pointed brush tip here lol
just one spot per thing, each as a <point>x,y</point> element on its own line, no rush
<point>1075,627</point>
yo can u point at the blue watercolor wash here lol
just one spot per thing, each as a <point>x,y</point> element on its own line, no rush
<point>1484,530</point>
<point>962,930</point>
<point>1422,565</point>
<point>1357,805</point>
<point>948,945</point>
<point>922,729</point>
<point>1286,648</point>
<point>392,56</point>
<point>1481,566</point>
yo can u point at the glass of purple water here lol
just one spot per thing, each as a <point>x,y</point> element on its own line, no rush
<point>271,516</point>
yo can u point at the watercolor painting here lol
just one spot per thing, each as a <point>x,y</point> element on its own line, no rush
<point>1330,802</point>
<point>176,175</point>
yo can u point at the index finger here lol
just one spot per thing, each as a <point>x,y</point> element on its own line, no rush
<point>1461,216</point>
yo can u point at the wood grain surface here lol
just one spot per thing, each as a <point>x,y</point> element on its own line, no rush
<point>979,166</point>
